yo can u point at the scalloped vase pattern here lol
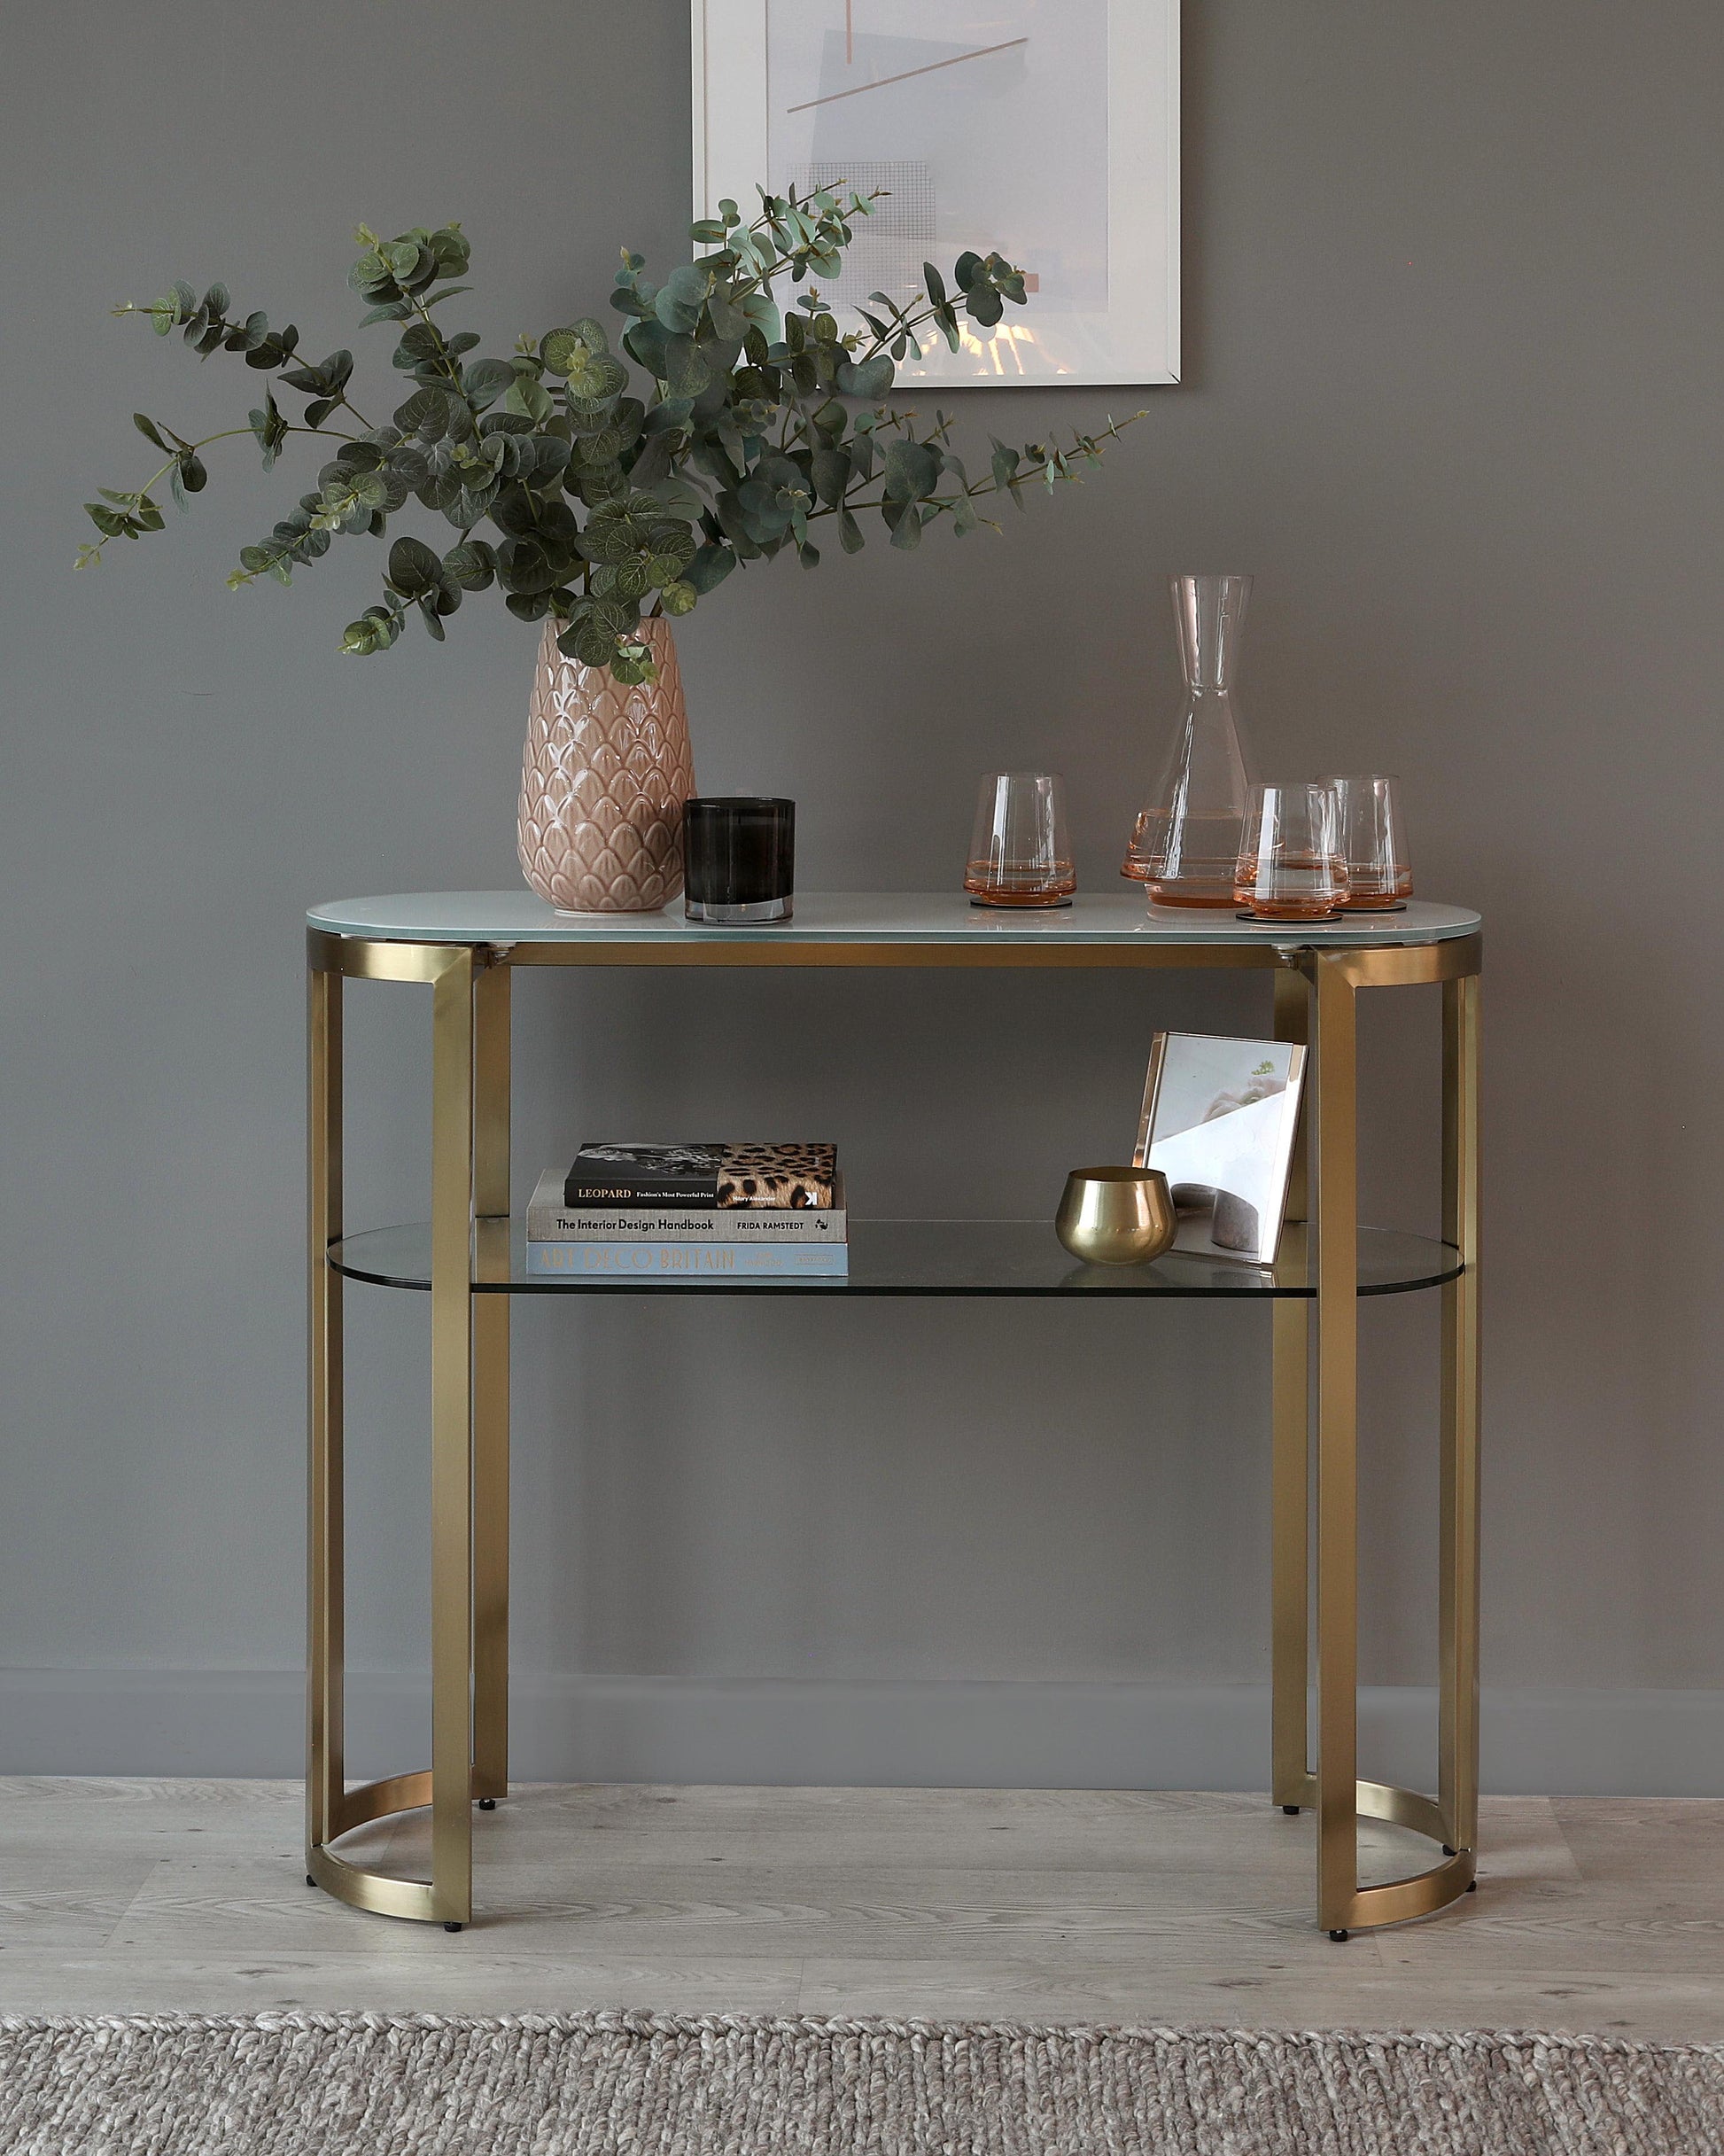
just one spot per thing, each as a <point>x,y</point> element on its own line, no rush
<point>605,774</point>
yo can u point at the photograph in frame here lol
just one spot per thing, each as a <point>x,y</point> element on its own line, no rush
<point>1219,1120</point>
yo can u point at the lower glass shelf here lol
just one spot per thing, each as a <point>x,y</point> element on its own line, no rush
<point>949,1257</point>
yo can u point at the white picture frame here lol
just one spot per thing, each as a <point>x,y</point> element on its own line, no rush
<point>1219,1120</point>
<point>997,142</point>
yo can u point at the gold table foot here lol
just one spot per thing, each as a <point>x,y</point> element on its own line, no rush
<point>380,1892</point>
<point>1421,1894</point>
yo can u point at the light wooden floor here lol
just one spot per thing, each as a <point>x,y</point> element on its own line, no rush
<point>128,1897</point>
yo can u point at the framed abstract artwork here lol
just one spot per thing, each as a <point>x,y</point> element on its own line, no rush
<point>1047,130</point>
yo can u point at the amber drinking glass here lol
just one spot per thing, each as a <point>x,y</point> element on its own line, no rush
<point>1374,839</point>
<point>1291,865</point>
<point>1020,851</point>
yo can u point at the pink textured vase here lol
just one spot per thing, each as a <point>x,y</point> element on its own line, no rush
<point>606,772</point>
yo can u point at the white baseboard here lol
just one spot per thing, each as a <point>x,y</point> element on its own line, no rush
<point>1618,1743</point>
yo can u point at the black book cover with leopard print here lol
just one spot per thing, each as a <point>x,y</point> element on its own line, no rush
<point>781,1174</point>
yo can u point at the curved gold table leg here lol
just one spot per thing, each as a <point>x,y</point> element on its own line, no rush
<point>377,1891</point>
<point>450,1787</point>
<point>1420,1893</point>
<point>1338,1797</point>
<point>383,1893</point>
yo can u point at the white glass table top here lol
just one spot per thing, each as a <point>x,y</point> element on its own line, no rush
<point>873,917</point>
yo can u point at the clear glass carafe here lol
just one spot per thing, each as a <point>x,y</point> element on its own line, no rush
<point>1185,846</point>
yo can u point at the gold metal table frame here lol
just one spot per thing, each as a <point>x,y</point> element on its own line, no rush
<point>1315,991</point>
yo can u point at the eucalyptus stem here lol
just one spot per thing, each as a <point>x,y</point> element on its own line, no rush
<point>348,405</point>
<point>753,424</point>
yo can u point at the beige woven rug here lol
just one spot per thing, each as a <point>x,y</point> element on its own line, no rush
<point>289,2084</point>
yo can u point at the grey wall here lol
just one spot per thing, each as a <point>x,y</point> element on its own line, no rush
<point>1451,393</point>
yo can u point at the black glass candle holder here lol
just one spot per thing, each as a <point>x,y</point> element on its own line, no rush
<point>739,860</point>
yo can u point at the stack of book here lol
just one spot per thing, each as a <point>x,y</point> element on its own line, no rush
<point>691,1212</point>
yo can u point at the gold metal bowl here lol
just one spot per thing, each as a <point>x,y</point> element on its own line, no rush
<point>1116,1216</point>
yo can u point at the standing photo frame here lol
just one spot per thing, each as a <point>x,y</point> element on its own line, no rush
<point>1046,130</point>
<point>1219,1120</point>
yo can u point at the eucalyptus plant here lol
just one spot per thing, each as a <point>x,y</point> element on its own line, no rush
<point>755,426</point>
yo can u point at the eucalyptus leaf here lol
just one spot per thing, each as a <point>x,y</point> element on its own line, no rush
<point>671,544</point>
<point>471,566</point>
<point>425,415</point>
<point>414,568</point>
<point>678,500</point>
<point>632,578</point>
<point>708,568</point>
<point>909,470</point>
<point>523,566</point>
<point>595,377</point>
<point>270,429</point>
<point>686,370</point>
<point>761,310</point>
<point>645,342</point>
<point>450,246</point>
<point>832,474</point>
<point>765,513</point>
<point>727,318</point>
<point>559,349</point>
<point>681,298</point>
<point>529,397</point>
<point>550,457</point>
<point>484,381</point>
<point>871,378</point>
<point>652,465</point>
<point>674,316</point>
<point>907,530</point>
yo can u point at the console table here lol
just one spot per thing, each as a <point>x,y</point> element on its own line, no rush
<point>467,946</point>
